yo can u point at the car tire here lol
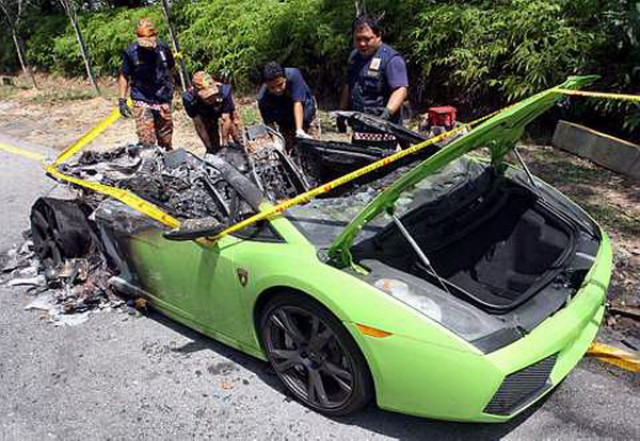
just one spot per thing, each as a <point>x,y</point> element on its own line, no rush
<point>314,356</point>
<point>60,230</point>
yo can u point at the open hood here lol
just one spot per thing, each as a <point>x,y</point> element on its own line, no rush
<point>499,133</point>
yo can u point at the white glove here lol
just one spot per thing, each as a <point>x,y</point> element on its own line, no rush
<point>302,134</point>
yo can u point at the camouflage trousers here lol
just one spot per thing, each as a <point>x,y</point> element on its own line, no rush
<point>153,124</point>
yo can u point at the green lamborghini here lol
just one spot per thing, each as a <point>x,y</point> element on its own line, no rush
<point>459,287</point>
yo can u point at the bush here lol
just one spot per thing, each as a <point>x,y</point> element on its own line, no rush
<point>503,49</point>
<point>107,33</point>
<point>478,54</point>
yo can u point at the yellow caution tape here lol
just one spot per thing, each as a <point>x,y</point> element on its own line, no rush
<point>22,152</point>
<point>156,213</point>
<point>618,357</point>
<point>602,95</point>
<point>325,188</point>
<point>87,138</point>
<point>125,196</point>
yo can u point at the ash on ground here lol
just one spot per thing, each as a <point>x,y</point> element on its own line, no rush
<point>64,295</point>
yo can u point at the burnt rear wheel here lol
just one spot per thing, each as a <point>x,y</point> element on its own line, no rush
<point>60,230</point>
<point>314,355</point>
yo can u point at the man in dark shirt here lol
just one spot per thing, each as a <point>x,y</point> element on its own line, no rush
<point>285,102</point>
<point>377,78</point>
<point>147,68</point>
<point>208,103</point>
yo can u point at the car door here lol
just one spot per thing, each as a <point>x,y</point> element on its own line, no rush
<point>194,283</point>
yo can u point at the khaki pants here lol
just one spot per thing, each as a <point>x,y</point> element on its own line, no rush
<point>154,125</point>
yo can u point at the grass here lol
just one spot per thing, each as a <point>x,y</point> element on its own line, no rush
<point>8,92</point>
<point>249,115</point>
<point>62,95</point>
<point>590,186</point>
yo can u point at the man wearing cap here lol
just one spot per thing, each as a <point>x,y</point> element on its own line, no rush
<point>208,103</point>
<point>285,101</point>
<point>377,78</point>
<point>147,68</point>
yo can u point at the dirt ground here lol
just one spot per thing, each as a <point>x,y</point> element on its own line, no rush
<point>62,110</point>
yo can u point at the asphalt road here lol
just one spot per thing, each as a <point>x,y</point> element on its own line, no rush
<point>119,376</point>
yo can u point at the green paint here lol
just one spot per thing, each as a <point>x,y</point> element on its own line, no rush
<point>423,368</point>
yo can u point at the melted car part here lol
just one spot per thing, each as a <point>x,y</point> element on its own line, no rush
<point>195,228</point>
<point>60,231</point>
<point>227,186</point>
<point>375,124</point>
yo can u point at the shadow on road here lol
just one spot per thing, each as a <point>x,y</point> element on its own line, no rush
<point>399,426</point>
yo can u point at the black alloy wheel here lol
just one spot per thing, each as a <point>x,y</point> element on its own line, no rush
<point>314,356</point>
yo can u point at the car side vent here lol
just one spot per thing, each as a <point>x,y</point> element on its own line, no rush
<point>522,387</point>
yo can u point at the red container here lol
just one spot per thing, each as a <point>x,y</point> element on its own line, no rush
<point>442,116</point>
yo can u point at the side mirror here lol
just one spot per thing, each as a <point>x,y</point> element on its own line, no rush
<point>191,229</point>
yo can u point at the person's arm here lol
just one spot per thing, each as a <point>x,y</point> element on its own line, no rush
<point>264,108</point>
<point>396,99</point>
<point>231,121</point>
<point>201,130</point>
<point>236,127</point>
<point>398,80</point>
<point>298,115</point>
<point>226,129</point>
<point>344,97</point>
<point>299,91</point>
<point>123,86</point>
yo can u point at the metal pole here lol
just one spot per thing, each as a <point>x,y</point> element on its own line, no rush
<point>418,251</point>
<point>524,166</point>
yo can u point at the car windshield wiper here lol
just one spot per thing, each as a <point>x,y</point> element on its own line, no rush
<point>423,257</point>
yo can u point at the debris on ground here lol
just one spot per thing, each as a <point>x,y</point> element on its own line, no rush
<point>65,294</point>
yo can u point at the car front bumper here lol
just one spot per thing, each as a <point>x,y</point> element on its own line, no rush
<point>428,380</point>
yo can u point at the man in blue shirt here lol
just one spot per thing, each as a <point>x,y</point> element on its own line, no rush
<point>208,103</point>
<point>147,68</point>
<point>377,78</point>
<point>285,102</point>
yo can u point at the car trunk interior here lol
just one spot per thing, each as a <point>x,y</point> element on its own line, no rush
<point>492,242</point>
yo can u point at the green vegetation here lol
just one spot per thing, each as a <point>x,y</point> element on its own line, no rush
<point>477,54</point>
<point>62,95</point>
<point>7,92</point>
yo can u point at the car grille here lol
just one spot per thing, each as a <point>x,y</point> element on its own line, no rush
<point>520,388</point>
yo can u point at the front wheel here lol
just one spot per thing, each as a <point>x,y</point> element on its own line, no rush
<point>314,355</point>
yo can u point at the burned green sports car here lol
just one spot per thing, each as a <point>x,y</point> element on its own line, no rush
<point>457,288</point>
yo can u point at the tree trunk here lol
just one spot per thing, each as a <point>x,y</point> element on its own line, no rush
<point>22,57</point>
<point>182,70</point>
<point>83,49</point>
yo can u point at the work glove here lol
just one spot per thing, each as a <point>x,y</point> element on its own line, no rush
<point>386,114</point>
<point>302,134</point>
<point>125,110</point>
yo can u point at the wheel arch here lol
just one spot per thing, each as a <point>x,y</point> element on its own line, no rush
<point>269,293</point>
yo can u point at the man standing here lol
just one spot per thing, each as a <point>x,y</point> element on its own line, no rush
<point>377,79</point>
<point>147,67</point>
<point>285,101</point>
<point>208,103</point>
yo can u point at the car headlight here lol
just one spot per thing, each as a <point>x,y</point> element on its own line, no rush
<point>461,318</point>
